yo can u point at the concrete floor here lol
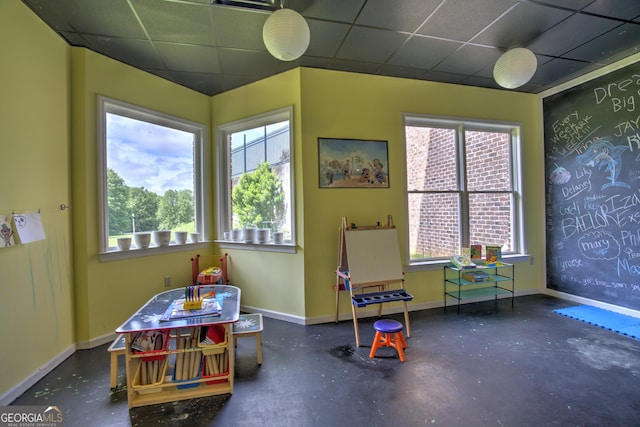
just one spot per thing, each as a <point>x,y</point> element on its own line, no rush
<point>489,365</point>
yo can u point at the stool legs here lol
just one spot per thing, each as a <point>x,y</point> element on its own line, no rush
<point>394,339</point>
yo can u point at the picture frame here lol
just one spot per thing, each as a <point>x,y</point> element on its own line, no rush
<point>352,163</point>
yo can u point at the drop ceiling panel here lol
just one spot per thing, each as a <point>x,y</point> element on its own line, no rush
<point>237,28</point>
<point>105,18</point>
<point>463,19</point>
<point>354,66</point>
<point>403,72</point>
<point>621,38</point>
<point>520,25</point>
<point>179,57</point>
<point>406,15</point>
<point>326,37</point>
<point>138,52</point>
<point>574,31</point>
<point>623,9</point>
<point>246,63</point>
<point>557,70</point>
<point>212,48</point>
<point>174,22</point>
<point>333,10</point>
<point>423,52</point>
<point>370,45</point>
<point>568,4</point>
<point>200,82</point>
<point>469,60</point>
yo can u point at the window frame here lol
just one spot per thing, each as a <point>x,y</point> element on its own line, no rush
<point>201,182</point>
<point>461,125</point>
<point>223,182</point>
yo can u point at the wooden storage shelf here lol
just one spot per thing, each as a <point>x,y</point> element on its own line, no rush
<point>170,389</point>
<point>501,281</point>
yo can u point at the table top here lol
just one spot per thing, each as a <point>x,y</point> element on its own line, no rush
<point>149,316</point>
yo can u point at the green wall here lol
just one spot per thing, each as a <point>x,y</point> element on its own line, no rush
<point>36,280</point>
<point>348,105</point>
<point>107,293</point>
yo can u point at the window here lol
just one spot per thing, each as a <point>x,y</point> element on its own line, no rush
<point>256,179</point>
<point>463,187</point>
<point>150,173</point>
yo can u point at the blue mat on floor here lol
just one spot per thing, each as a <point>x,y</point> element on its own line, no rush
<point>620,323</point>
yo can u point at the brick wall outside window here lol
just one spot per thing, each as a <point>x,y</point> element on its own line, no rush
<point>434,215</point>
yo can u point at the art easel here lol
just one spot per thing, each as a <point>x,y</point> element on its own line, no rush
<point>369,257</point>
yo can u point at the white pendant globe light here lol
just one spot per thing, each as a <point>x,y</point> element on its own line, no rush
<point>515,68</point>
<point>286,34</point>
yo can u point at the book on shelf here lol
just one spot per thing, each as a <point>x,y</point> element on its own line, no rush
<point>476,251</point>
<point>476,276</point>
<point>493,255</point>
<point>462,261</point>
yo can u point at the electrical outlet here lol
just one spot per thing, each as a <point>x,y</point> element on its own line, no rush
<point>167,281</point>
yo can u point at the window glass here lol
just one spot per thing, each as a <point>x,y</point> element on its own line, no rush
<point>460,187</point>
<point>257,187</point>
<point>149,171</point>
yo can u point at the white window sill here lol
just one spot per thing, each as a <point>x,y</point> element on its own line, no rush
<point>285,247</point>
<point>440,263</point>
<point>115,255</point>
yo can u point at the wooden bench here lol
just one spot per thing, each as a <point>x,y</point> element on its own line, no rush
<point>248,325</point>
<point>117,348</point>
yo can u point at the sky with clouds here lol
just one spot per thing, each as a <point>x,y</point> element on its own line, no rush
<point>148,155</point>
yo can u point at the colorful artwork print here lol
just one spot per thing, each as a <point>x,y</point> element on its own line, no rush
<point>6,232</point>
<point>352,163</point>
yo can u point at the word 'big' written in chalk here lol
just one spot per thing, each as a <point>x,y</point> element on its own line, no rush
<point>621,94</point>
<point>571,129</point>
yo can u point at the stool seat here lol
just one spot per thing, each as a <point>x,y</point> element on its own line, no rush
<point>388,334</point>
<point>388,326</point>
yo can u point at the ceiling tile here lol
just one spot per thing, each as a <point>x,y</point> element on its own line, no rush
<point>354,66</point>
<point>480,82</point>
<point>238,28</point>
<point>332,10</point>
<point>140,53</point>
<point>568,4</point>
<point>439,76</point>
<point>370,45</point>
<point>462,19</point>
<point>326,37</point>
<point>104,18</point>
<point>198,59</point>
<point>405,15</point>
<point>397,71</point>
<point>520,25</point>
<point>556,70</point>
<point>469,60</point>
<point>423,52</point>
<point>575,31</point>
<point>419,39</point>
<point>623,9</point>
<point>246,62</point>
<point>619,39</point>
<point>233,81</point>
<point>207,83</point>
<point>56,15</point>
<point>176,22</point>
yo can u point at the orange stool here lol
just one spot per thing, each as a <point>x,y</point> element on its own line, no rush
<point>388,334</point>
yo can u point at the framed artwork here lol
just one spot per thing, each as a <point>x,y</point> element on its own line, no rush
<point>352,163</point>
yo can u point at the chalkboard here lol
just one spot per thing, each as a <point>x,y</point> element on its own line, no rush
<point>592,165</point>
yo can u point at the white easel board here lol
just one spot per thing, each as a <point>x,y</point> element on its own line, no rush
<point>373,255</point>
